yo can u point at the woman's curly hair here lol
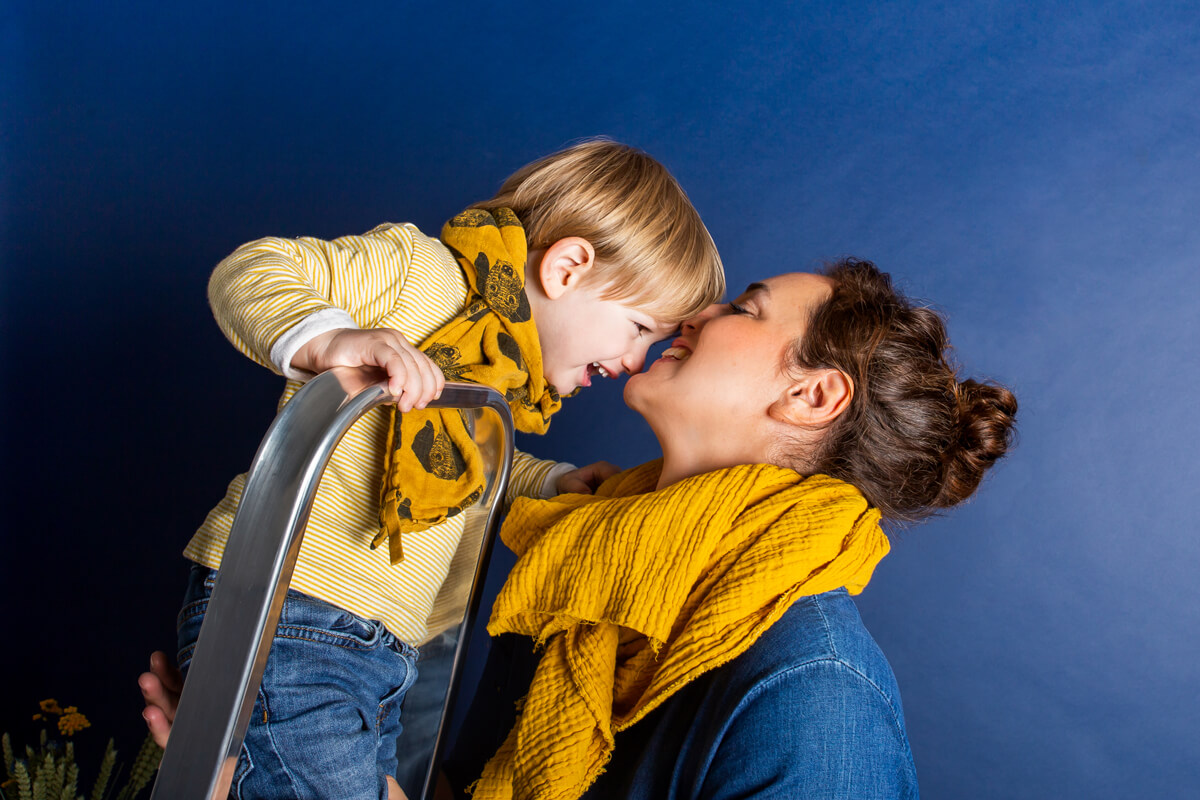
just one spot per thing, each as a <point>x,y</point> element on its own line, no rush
<point>914,438</point>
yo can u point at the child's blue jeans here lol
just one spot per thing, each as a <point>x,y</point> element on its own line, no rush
<point>327,715</point>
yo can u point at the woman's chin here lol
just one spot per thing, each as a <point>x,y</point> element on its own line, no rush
<point>635,391</point>
<point>648,396</point>
<point>627,392</point>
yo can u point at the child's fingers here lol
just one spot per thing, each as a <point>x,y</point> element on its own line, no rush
<point>413,390</point>
<point>424,379</point>
<point>397,368</point>
<point>602,471</point>
<point>433,381</point>
<point>572,484</point>
<point>585,480</point>
<point>414,379</point>
<point>403,375</point>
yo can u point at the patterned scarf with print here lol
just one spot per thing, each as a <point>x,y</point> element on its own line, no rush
<point>433,468</point>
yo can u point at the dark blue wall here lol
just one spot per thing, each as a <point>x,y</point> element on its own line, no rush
<point>1034,168</point>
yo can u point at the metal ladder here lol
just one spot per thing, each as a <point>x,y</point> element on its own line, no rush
<point>230,655</point>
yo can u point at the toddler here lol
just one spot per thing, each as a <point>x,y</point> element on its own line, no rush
<point>581,261</point>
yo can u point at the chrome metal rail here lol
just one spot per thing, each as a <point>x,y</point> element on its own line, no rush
<point>230,655</point>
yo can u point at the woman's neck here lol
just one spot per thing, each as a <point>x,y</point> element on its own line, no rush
<point>689,451</point>
<point>683,463</point>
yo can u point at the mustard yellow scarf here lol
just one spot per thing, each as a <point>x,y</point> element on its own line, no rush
<point>636,592</point>
<point>433,468</point>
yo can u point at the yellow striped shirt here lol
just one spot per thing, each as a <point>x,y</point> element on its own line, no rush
<point>272,295</point>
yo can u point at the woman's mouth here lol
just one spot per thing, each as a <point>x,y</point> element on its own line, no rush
<point>677,353</point>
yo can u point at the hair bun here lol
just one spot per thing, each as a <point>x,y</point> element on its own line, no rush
<point>914,439</point>
<point>986,418</point>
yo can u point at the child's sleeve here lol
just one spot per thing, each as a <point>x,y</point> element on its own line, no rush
<point>272,295</point>
<point>534,477</point>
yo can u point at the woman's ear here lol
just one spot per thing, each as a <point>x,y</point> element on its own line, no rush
<point>816,399</point>
<point>563,264</point>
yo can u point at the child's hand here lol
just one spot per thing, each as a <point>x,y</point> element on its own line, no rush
<point>160,688</point>
<point>586,480</point>
<point>412,376</point>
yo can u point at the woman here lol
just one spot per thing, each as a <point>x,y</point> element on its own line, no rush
<point>698,640</point>
<point>695,634</point>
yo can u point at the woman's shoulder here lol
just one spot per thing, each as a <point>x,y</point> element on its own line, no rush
<point>810,710</point>
<point>820,639</point>
<point>820,684</point>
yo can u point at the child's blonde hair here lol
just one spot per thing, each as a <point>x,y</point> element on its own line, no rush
<point>652,250</point>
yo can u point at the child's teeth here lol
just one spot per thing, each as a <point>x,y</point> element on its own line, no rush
<point>601,370</point>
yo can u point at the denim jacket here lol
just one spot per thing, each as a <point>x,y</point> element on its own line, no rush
<point>811,710</point>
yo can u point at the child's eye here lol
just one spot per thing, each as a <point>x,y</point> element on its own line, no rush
<point>641,328</point>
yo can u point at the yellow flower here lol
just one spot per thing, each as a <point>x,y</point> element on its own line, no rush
<point>69,724</point>
<point>50,706</point>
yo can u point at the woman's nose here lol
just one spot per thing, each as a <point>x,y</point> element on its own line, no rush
<point>694,324</point>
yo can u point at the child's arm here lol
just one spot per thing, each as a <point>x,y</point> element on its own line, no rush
<point>541,478</point>
<point>299,306</point>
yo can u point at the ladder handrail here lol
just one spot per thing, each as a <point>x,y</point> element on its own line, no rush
<point>231,653</point>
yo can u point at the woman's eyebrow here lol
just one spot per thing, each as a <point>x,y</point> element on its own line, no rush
<point>757,288</point>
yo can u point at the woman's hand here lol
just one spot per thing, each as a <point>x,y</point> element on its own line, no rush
<point>160,689</point>
<point>412,375</point>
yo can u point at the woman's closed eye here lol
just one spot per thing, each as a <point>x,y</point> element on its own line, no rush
<point>751,301</point>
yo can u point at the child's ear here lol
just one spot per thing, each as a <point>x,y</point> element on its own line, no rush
<point>564,264</point>
<point>816,399</point>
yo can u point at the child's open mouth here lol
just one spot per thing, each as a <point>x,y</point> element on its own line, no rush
<point>594,369</point>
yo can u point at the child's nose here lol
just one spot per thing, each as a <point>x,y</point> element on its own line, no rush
<point>635,361</point>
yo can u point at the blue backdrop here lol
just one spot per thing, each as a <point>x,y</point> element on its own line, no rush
<point>1034,168</point>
